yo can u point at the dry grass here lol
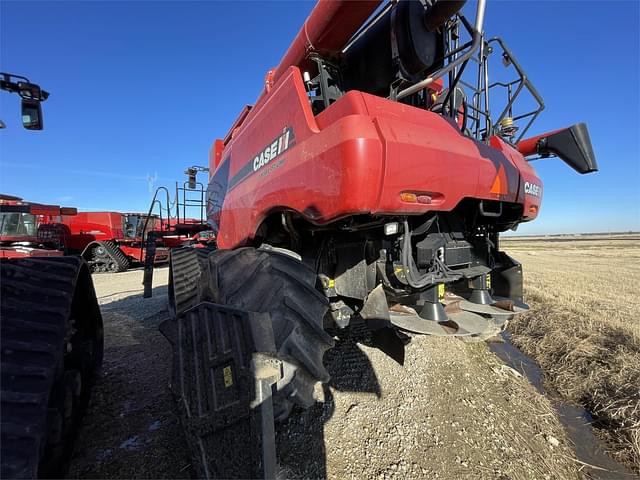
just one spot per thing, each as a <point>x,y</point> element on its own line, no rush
<point>584,328</point>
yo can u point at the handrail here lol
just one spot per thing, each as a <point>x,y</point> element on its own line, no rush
<point>146,221</point>
<point>524,82</point>
<point>479,50</point>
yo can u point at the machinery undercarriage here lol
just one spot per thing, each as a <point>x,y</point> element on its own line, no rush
<point>52,347</point>
<point>433,275</point>
<point>414,264</point>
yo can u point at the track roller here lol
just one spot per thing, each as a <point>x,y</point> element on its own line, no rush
<point>105,257</point>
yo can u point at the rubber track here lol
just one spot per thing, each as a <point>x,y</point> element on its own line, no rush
<point>276,291</point>
<point>221,428</point>
<point>36,302</point>
<point>270,282</point>
<point>116,254</point>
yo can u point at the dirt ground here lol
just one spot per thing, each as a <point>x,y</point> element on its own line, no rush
<point>453,411</point>
<point>130,430</point>
<point>584,327</point>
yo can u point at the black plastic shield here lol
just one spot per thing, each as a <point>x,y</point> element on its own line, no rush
<point>223,387</point>
<point>573,146</point>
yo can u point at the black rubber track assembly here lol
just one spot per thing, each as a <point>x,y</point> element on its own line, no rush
<point>223,390</point>
<point>52,343</point>
<point>106,256</point>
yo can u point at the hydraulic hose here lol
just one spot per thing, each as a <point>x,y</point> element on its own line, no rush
<point>413,276</point>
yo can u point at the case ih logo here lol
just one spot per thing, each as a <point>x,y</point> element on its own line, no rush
<point>532,189</point>
<point>274,149</point>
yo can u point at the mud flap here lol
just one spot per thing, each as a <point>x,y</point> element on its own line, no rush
<point>223,378</point>
<point>375,313</point>
<point>506,278</point>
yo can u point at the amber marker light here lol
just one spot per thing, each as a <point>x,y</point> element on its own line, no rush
<point>409,197</point>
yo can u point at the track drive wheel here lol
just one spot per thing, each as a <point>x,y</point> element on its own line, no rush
<point>106,257</point>
<point>52,345</point>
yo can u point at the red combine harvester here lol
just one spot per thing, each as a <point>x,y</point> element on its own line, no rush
<point>31,229</point>
<point>108,241</point>
<point>368,185</point>
<point>51,335</point>
<point>112,241</point>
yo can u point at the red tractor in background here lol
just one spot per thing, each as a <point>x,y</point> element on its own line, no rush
<point>108,241</point>
<point>368,186</point>
<point>31,229</point>
<point>112,241</point>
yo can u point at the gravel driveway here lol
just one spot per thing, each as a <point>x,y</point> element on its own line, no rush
<point>452,411</point>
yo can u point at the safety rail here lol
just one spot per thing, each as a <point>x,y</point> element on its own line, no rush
<point>193,202</point>
<point>182,204</point>
<point>458,55</point>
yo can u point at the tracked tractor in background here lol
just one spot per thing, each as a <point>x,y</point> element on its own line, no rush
<point>112,241</point>
<point>108,241</point>
<point>369,185</point>
<point>51,337</point>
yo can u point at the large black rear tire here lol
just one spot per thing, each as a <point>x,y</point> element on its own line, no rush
<point>265,281</point>
<point>52,344</point>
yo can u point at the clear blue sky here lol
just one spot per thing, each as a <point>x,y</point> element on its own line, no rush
<point>140,89</point>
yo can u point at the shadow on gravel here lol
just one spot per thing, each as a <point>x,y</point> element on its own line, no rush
<point>300,439</point>
<point>130,429</point>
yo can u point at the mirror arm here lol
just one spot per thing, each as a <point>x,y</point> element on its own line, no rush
<point>30,93</point>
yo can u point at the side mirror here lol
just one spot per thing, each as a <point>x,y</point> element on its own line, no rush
<point>191,174</point>
<point>31,114</point>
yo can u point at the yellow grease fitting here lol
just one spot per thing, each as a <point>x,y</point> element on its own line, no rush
<point>441,291</point>
<point>228,376</point>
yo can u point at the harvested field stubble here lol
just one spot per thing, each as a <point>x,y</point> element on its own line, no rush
<point>584,329</point>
